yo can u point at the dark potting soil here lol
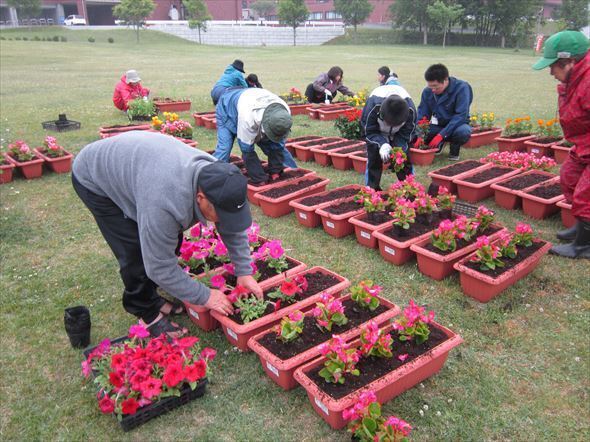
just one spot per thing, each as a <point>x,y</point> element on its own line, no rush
<point>312,335</point>
<point>119,126</point>
<point>285,176</point>
<point>488,174</point>
<point>514,136</point>
<point>524,181</point>
<point>458,168</point>
<point>546,192</point>
<point>372,368</point>
<point>523,253</point>
<point>376,218</point>
<point>290,188</point>
<point>339,145</point>
<point>303,138</point>
<point>211,263</point>
<point>345,207</point>
<point>330,196</point>
<point>352,149</point>
<point>265,272</point>
<point>318,143</point>
<point>462,243</point>
<point>171,100</point>
<point>361,154</point>
<point>415,230</point>
<point>546,140</point>
<point>481,130</point>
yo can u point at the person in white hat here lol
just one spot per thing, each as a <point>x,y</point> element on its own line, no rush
<point>128,89</point>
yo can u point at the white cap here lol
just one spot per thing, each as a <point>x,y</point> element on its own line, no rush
<point>132,77</point>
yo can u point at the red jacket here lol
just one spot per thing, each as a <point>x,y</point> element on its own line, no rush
<point>124,93</point>
<point>574,107</point>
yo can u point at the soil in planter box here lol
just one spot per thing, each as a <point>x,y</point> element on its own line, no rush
<point>287,175</point>
<point>290,188</point>
<point>317,143</point>
<point>334,195</point>
<point>514,136</point>
<point>345,207</point>
<point>523,253</point>
<point>546,192</point>
<point>522,182</point>
<point>373,368</point>
<point>376,218</point>
<point>352,149</point>
<point>361,154</point>
<point>304,138</point>
<point>118,126</point>
<point>456,169</point>
<point>488,174</point>
<point>546,140</point>
<point>339,145</point>
<point>312,335</point>
<point>480,130</point>
<point>461,242</point>
<point>263,269</point>
<point>415,230</point>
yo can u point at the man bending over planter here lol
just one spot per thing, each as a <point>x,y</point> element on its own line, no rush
<point>254,116</point>
<point>144,189</point>
<point>388,119</point>
<point>128,89</point>
<point>445,102</point>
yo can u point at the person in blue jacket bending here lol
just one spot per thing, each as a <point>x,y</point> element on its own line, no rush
<point>388,120</point>
<point>254,116</point>
<point>233,76</point>
<point>445,102</point>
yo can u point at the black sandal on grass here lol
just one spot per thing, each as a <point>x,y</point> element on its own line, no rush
<point>170,308</point>
<point>165,326</point>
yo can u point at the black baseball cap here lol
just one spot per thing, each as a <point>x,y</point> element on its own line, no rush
<point>226,188</point>
<point>239,65</point>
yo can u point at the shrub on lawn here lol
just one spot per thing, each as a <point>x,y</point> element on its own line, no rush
<point>111,40</point>
<point>63,39</point>
<point>91,39</point>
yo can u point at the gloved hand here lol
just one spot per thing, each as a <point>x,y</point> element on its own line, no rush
<point>385,152</point>
<point>435,141</point>
<point>327,92</point>
<point>418,142</point>
<point>145,98</point>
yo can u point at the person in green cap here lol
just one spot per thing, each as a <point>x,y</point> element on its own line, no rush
<point>255,117</point>
<point>568,55</point>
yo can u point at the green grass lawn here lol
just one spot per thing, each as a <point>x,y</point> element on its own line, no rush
<point>522,373</point>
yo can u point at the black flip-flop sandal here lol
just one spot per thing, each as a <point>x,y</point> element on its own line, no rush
<point>165,326</point>
<point>176,309</point>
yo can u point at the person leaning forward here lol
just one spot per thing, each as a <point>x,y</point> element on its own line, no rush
<point>144,190</point>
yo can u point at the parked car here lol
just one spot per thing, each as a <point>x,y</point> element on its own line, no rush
<point>75,20</point>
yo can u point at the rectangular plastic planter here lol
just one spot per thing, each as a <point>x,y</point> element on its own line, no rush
<point>313,109</point>
<point>422,157</point>
<point>539,149</point>
<point>567,219</point>
<point>513,144</point>
<point>343,161</point>
<point>239,334</point>
<point>540,208</point>
<point>173,106</point>
<point>394,251</point>
<point>61,164</point>
<point>198,116</point>
<point>386,387</point>
<point>323,156</point>
<point>482,138</point>
<point>438,266</point>
<point>209,122</point>
<point>359,163</point>
<point>303,148</point>
<point>509,198</point>
<point>484,287</point>
<point>298,109</point>
<point>30,169</point>
<point>364,231</point>
<point>289,145</point>
<point>447,181</point>
<point>110,131</point>
<point>253,190</point>
<point>307,216</point>
<point>474,192</point>
<point>329,115</point>
<point>560,152</point>
<point>338,226</point>
<point>6,174</point>
<point>281,370</point>
<point>277,207</point>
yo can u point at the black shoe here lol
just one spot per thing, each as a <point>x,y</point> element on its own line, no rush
<point>568,234</point>
<point>580,248</point>
<point>454,158</point>
<point>440,148</point>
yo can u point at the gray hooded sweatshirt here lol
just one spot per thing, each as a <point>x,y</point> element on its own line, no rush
<point>153,179</point>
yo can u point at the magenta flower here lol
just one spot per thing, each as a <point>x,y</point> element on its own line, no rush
<point>218,281</point>
<point>208,353</point>
<point>138,331</point>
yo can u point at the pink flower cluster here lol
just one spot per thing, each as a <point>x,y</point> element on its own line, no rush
<point>398,158</point>
<point>365,291</point>
<point>424,203</point>
<point>445,198</point>
<point>413,315</point>
<point>329,311</point>
<point>52,148</point>
<point>404,213</point>
<point>20,150</point>
<point>445,236</point>
<point>336,350</point>
<point>374,342</point>
<point>177,128</point>
<point>407,188</point>
<point>272,249</point>
<point>397,425</point>
<point>371,199</point>
<point>360,409</point>
<point>518,160</point>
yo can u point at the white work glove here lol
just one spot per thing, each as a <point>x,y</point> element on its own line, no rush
<point>328,93</point>
<point>384,152</point>
<point>145,98</point>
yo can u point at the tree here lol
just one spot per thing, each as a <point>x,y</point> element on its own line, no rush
<point>134,12</point>
<point>412,14</point>
<point>263,8</point>
<point>443,16</point>
<point>197,14</point>
<point>26,8</point>
<point>293,13</point>
<point>353,12</point>
<point>573,14</point>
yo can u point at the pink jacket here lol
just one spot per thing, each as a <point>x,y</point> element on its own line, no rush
<point>124,93</point>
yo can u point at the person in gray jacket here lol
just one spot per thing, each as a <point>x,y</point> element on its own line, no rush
<point>144,190</point>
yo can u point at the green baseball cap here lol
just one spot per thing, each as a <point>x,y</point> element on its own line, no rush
<point>276,122</point>
<point>564,44</point>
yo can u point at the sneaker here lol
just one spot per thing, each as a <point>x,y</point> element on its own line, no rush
<point>453,157</point>
<point>440,148</point>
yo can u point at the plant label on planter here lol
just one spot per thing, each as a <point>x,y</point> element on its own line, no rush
<point>272,368</point>
<point>232,333</point>
<point>193,313</point>
<point>389,250</point>
<point>330,224</point>
<point>535,150</point>
<point>321,405</point>
<point>365,234</point>
<point>302,215</point>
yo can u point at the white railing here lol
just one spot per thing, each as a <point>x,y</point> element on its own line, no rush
<point>241,23</point>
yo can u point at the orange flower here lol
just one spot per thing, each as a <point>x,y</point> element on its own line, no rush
<point>517,120</point>
<point>550,123</point>
<point>540,122</point>
<point>508,120</point>
<point>527,118</point>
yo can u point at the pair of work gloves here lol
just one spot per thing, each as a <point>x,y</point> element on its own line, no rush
<point>385,149</point>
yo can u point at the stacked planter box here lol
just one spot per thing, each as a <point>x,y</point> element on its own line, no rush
<point>469,188</point>
<point>540,149</point>
<point>508,197</point>
<point>560,151</point>
<point>337,224</point>
<point>541,207</point>
<point>199,117</point>
<point>445,176</point>
<point>289,144</point>
<point>288,175</point>
<point>322,155</point>
<point>111,131</point>
<point>303,148</point>
<point>342,158</point>
<point>513,144</point>
<point>171,105</point>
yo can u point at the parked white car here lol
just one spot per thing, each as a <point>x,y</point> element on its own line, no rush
<point>75,20</point>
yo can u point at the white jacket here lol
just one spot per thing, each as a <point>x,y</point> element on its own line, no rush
<point>251,106</point>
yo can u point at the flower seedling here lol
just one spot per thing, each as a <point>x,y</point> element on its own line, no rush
<point>407,188</point>
<point>398,159</point>
<point>445,198</point>
<point>172,125</point>
<point>485,217</point>
<point>273,254</point>
<point>288,290</point>
<point>371,199</point>
<point>341,360</point>
<point>424,203</point>
<point>141,108</point>
<point>518,126</point>
<point>487,255</point>
<point>549,128</point>
<point>329,311</point>
<point>403,213</point>
<point>374,342</point>
<point>291,327</point>
<point>413,325</point>
<point>523,235</point>
<point>52,149</point>
<point>250,307</point>
<point>349,124</point>
<point>21,151</point>
<point>365,294</point>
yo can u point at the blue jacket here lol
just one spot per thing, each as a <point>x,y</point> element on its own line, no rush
<point>231,77</point>
<point>451,108</point>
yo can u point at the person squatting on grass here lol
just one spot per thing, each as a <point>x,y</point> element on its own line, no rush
<point>144,190</point>
<point>128,89</point>
<point>232,77</point>
<point>326,86</point>
<point>445,102</point>
<point>388,120</point>
<point>254,116</point>
<point>568,55</point>
<point>387,78</point>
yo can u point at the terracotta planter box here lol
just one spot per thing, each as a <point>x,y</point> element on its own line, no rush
<point>323,156</point>
<point>394,251</point>
<point>421,157</point>
<point>198,116</point>
<point>510,198</point>
<point>201,316</point>
<point>253,190</point>
<point>483,138</point>
<point>169,105</point>
<point>343,161</point>
<point>338,225</point>
<point>513,144</point>
<point>447,181</point>
<point>540,208</point>
<point>281,370</point>
<point>307,216</point>
<point>30,169</point>
<point>313,109</point>
<point>567,219</point>
<point>438,266</point>
<point>61,164</point>
<point>386,387</point>
<point>483,287</point>
<point>364,231</point>
<point>329,115</point>
<point>359,164</point>
<point>277,207</point>
<point>539,149</point>
<point>560,152</point>
<point>109,131</point>
<point>239,334</point>
<point>6,171</point>
<point>289,145</point>
<point>210,122</point>
<point>474,192</point>
<point>303,148</point>
<point>298,109</point>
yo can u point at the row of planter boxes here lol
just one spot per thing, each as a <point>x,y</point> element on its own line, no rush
<point>172,105</point>
<point>326,112</point>
<point>34,168</point>
<point>205,119</point>
<point>554,148</point>
<point>110,131</point>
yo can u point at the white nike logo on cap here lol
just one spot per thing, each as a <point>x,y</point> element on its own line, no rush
<point>241,205</point>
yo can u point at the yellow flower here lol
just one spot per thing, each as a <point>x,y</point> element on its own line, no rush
<point>492,116</point>
<point>485,116</point>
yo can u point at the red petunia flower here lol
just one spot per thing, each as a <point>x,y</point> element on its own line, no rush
<point>129,406</point>
<point>195,371</point>
<point>289,288</point>
<point>106,405</point>
<point>187,341</point>
<point>150,388</point>
<point>115,379</point>
<point>173,375</point>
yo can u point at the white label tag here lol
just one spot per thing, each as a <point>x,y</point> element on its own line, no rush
<point>193,313</point>
<point>365,234</point>
<point>302,215</point>
<point>330,224</point>
<point>535,150</point>
<point>272,368</point>
<point>232,333</point>
<point>322,406</point>
<point>434,120</point>
<point>389,250</point>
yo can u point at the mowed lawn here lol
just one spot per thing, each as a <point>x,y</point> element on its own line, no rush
<point>522,373</point>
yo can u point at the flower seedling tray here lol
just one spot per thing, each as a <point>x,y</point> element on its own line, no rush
<point>341,159</point>
<point>239,334</point>
<point>395,251</point>
<point>445,175</point>
<point>422,157</point>
<point>295,173</point>
<point>338,225</point>
<point>483,138</point>
<point>30,169</point>
<point>567,219</point>
<point>509,198</point>
<point>513,144</point>
<point>322,155</point>
<point>7,170</point>
<point>303,148</point>
<point>540,207</point>
<point>276,207</point>
<point>61,164</point>
<point>281,370</point>
<point>198,116</point>
<point>171,105</point>
<point>473,192</point>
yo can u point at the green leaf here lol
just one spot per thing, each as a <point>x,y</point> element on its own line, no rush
<point>370,424</point>
<point>375,409</point>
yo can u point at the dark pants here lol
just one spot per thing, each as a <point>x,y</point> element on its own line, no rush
<point>122,235</point>
<point>375,167</point>
<point>458,138</point>
<point>317,97</point>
